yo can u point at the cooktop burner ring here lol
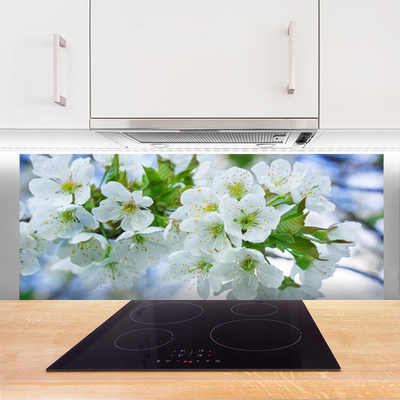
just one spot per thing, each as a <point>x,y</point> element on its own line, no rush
<point>166,313</point>
<point>247,335</point>
<point>254,309</point>
<point>144,339</point>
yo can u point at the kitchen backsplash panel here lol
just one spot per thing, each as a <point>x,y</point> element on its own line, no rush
<point>207,226</point>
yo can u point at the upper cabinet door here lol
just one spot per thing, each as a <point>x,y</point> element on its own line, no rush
<point>203,58</point>
<point>360,64</point>
<point>28,58</point>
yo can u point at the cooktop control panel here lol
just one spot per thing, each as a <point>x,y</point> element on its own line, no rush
<point>200,356</point>
<point>203,335</point>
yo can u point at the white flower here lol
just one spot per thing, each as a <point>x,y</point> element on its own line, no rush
<point>267,293</point>
<point>246,268</point>
<point>345,231</point>
<point>274,177</point>
<point>62,184</point>
<point>199,201</point>
<point>127,162</point>
<point>181,161</point>
<point>65,265</point>
<point>26,240</point>
<point>303,292</point>
<point>83,249</point>
<point>31,247</point>
<point>21,209</point>
<point>236,183</point>
<point>304,184</point>
<point>116,270</point>
<point>187,267</point>
<point>30,241</point>
<point>64,222</point>
<point>319,269</point>
<point>173,235</point>
<point>208,234</point>
<point>204,175</point>
<point>144,248</point>
<point>122,205</point>
<point>249,219</point>
<point>34,203</point>
<point>28,264</point>
<point>40,167</point>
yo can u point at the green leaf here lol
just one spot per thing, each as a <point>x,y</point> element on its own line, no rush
<point>123,180</point>
<point>172,197</point>
<point>160,220</point>
<point>185,176</point>
<point>255,246</point>
<point>303,261</point>
<point>192,164</point>
<point>114,173</point>
<point>304,247</point>
<point>291,225</point>
<point>153,177</point>
<point>339,241</point>
<point>298,245</point>
<point>293,220</point>
<point>134,185</point>
<point>285,237</point>
<point>151,174</point>
<point>89,205</point>
<point>321,234</point>
<point>95,197</point>
<point>288,282</point>
<point>309,230</point>
<point>274,243</point>
<point>295,211</point>
<point>166,169</point>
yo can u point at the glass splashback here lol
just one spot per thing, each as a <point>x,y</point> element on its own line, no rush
<point>206,226</point>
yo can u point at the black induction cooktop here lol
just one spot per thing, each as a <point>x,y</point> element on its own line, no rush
<point>203,335</point>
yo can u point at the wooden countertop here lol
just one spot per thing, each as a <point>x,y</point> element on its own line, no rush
<point>363,335</point>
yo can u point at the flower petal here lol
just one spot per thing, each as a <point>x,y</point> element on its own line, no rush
<point>86,218</point>
<point>29,265</point>
<point>43,187</point>
<point>244,287</point>
<point>138,221</point>
<point>270,276</point>
<point>96,275</point>
<point>261,171</point>
<point>107,211</point>
<point>82,170</point>
<point>116,191</point>
<point>139,199</point>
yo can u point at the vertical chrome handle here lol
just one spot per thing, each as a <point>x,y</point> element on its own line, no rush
<point>58,42</point>
<point>292,66</point>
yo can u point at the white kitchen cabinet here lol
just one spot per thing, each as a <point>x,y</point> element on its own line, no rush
<point>360,64</point>
<point>27,64</point>
<point>203,58</point>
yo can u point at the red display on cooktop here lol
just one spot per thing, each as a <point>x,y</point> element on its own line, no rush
<point>203,335</point>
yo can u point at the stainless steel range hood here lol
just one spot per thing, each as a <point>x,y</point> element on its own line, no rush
<point>207,139</point>
<point>184,133</point>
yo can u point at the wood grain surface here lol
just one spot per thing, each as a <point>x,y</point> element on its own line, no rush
<point>363,335</point>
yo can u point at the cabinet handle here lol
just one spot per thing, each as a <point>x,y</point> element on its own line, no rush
<point>58,42</point>
<point>292,67</point>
